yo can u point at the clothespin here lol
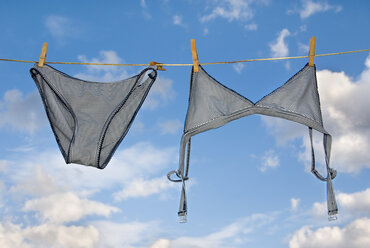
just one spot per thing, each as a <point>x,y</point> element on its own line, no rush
<point>195,55</point>
<point>43,54</point>
<point>159,67</point>
<point>311,54</point>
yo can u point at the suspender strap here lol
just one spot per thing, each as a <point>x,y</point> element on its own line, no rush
<point>183,208</point>
<point>182,174</point>
<point>331,173</point>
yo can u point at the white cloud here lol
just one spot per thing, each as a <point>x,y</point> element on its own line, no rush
<point>53,214</point>
<point>67,207</point>
<point>354,235</point>
<point>3,165</point>
<point>303,28</point>
<point>269,160</point>
<point>238,67</point>
<point>310,8</point>
<point>251,27</point>
<point>231,10</point>
<point>3,190</point>
<point>349,126</point>
<point>294,203</point>
<point>97,234</point>
<point>145,11</point>
<point>38,183</point>
<point>130,234</point>
<point>143,188</point>
<point>143,3</point>
<point>11,237</point>
<point>101,72</point>
<point>23,113</point>
<point>205,31</point>
<point>61,27</point>
<point>229,236</point>
<point>47,235</point>
<point>170,126</point>
<point>303,48</point>
<point>358,202</point>
<point>287,65</point>
<point>350,205</point>
<point>279,48</point>
<point>283,130</point>
<point>177,20</point>
<point>23,148</point>
<point>141,160</point>
<point>161,92</point>
<point>161,243</point>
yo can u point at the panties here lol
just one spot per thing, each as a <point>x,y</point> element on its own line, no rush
<point>90,119</point>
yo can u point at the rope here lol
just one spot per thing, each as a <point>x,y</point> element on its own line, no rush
<point>209,63</point>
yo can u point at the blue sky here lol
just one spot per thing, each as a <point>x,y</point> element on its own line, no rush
<point>250,183</point>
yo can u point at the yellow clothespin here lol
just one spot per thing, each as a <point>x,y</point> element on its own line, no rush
<point>195,55</point>
<point>311,54</point>
<point>159,67</point>
<point>43,54</point>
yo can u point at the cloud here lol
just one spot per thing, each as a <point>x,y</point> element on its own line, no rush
<point>228,236</point>
<point>161,243</point>
<point>269,160</point>
<point>161,92</point>
<point>39,183</point>
<point>205,31</point>
<point>3,190</point>
<point>303,28</point>
<point>303,48</point>
<point>61,27</point>
<point>350,205</point>
<point>100,72</point>
<point>67,207</point>
<point>143,188</point>
<point>251,27</point>
<point>279,48</point>
<point>142,160</point>
<point>170,126</point>
<point>283,130</point>
<point>177,20</point>
<point>143,3</point>
<point>231,10</point>
<point>47,235</point>
<point>52,206</point>
<point>349,126</point>
<point>294,203</point>
<point>96,234</point>
<point>310,8</point>
<point>23,113</point>
<point>3,165</point>
<point>238,67</point>
<point>354,235</point>
<point>130,234</point>
<point>145,11</point>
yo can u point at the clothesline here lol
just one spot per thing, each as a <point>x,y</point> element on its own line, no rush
<point>209,63</point>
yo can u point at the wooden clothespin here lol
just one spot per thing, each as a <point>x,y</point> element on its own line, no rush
<point>159,67</point>
<point>43,54</point>
<point>195,55</point>
<point>311,54</point>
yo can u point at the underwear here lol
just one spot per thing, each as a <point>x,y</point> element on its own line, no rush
<point>212,105</point>
<point>90,119</point>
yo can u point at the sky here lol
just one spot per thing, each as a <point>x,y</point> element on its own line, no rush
<point>250,182</point>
